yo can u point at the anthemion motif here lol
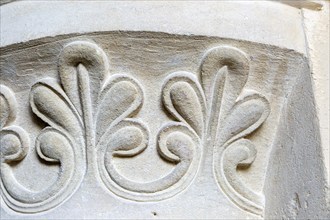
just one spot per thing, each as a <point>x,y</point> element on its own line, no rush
<point>91,120</point>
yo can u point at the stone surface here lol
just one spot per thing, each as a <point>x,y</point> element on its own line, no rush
<point>317,34</point>
<point>213,18</point>
<point>160,119</point>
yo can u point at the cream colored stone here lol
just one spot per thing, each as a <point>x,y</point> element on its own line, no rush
<point>317,34</point>
<point>160,110</point>
<point>212,18</point>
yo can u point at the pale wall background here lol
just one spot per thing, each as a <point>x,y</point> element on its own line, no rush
<point>316,26</point>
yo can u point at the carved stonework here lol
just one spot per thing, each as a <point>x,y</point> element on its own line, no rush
<point>90,118</point>
<point>221,113</point>
<point>83,112</point>
<point>140,123</point>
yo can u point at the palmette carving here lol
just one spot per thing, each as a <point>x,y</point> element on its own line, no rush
<point>221,113</point>
<point>90,118</point>
<point>241,112</point>
<point>85,105</point>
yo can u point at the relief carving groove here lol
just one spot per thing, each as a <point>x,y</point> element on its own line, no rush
<point>90,117</point>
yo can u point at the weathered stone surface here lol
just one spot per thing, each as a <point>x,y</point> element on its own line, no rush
<point>144,124</point>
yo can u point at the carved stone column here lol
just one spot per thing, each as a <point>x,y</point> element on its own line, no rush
<point>165,110</point>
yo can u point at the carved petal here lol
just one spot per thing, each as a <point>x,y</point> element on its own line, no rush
<point>236,74</point>
<point>183,98</point>
<point>176,138</point>
<point>94,61</point>
<point>175,143</point>
<point>121,97</point>
<point>49,102</point>
<point>249,112</point>
<point>238,154</point>
<point>128,141</point>
<point>186,103</point>
<point>14,144</point>
<point>127,138</point>
<point>8,106</point>
<point>54,146</point>
<point>216,102</point>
